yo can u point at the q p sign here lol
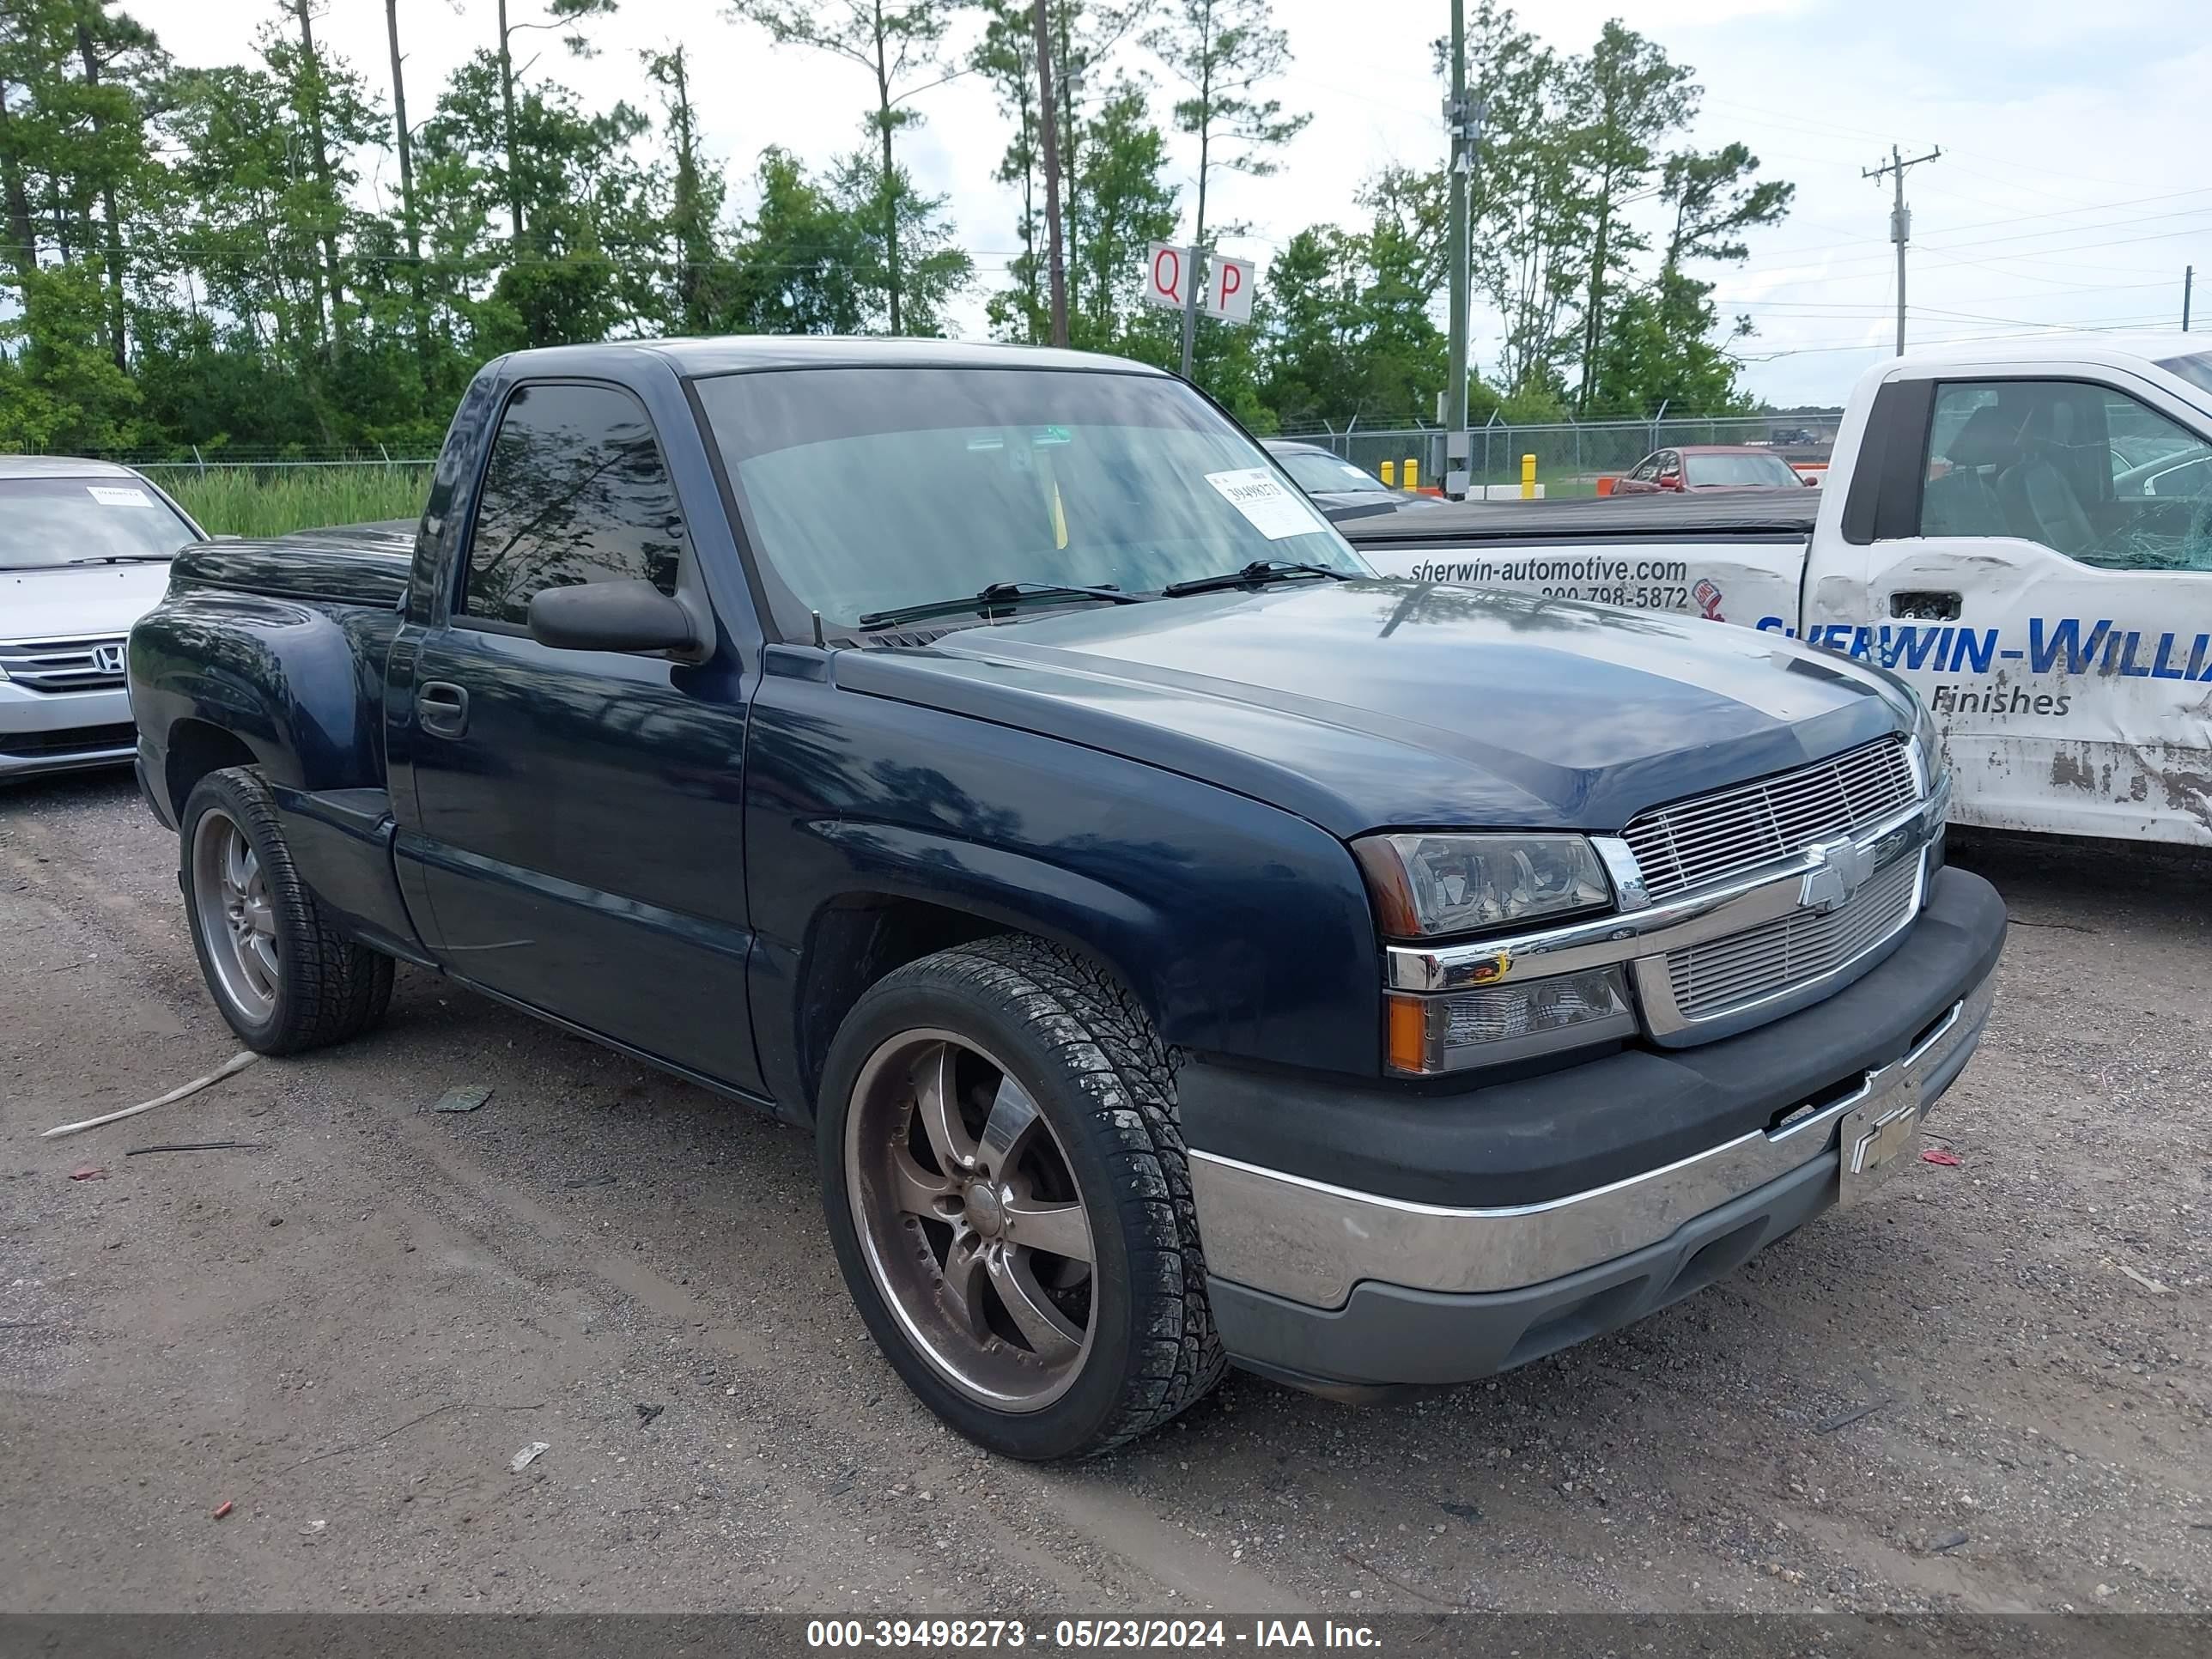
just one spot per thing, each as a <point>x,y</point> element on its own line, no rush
<point>1165,265</point>
<point>1229,296</point>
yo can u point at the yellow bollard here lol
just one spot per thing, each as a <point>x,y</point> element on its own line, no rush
<point>1391,473</point>
<point>1413,472</point>
<point>1528,477</point>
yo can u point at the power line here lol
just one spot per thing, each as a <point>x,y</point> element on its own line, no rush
<point>1811,122</point>
<point>2108,325</point>
<point>1791,255</point>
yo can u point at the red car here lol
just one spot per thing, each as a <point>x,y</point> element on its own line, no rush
<point>1709,466</point>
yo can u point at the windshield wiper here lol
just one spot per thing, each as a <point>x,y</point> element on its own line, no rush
<point>1259,570</point>
<point>125,558</point>
<point>994,597</point>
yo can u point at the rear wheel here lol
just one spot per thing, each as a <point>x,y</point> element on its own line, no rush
<point>281,972</point>
<point>1006,1186</point>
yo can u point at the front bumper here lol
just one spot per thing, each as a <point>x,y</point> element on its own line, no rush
<point>43,732</point>
<point>1336,1287</point>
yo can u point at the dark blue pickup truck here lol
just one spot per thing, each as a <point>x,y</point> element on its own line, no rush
<point>1185,947</point>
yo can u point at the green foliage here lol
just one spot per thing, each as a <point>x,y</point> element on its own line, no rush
<point>798,267</point>
<point>1586,325</point>
<point>203,256</point>
<point>1345,317</point>
<point>1223,51</point>
<point>61,389</point>
<point>904,267</point>
<point>899,43</point>
<point>1634,96</point>
<point>1659,349</point>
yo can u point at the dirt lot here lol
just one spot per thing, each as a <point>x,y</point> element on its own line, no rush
<point>1953,1397</point>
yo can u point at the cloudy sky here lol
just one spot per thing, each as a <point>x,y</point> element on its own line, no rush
<point>2071,190</point>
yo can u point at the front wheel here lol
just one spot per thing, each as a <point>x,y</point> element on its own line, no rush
<point>281,972</point>
<point>1007,1189</point>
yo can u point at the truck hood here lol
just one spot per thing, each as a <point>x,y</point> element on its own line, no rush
<point>1368,705</point>
<point>83,599</point>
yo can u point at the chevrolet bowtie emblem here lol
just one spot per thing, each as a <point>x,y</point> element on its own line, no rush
<point>1838,868</point>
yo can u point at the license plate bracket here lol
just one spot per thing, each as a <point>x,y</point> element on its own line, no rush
<point>1876,1134</point>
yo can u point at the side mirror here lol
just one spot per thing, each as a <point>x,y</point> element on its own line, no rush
<point>625,616</point>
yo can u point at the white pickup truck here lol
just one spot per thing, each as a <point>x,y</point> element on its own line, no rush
<point>84,552</point>
<point>2023,531</point>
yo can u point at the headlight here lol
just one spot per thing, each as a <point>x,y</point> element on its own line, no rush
<point>1431,1034</point>
<point>1427,885</point>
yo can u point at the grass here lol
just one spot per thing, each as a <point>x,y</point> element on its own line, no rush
<point>245,500</point>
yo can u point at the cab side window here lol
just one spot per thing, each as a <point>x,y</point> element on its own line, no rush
<point>576,491</point>
<point>2086,471</point>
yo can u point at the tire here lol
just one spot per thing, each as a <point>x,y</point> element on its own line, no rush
<point>1069,1045</point>
<point>281,973</point>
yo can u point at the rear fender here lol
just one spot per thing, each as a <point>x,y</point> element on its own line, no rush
<point>300,687</point>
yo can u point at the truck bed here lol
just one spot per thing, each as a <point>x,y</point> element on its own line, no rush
<point>1750,514</point>
<point>363,564</point>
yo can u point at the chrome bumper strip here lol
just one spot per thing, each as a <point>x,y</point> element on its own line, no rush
<point>1311,1242</point>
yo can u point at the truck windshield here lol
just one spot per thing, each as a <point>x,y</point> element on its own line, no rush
<point>867,490</point>
<point>46,522</point>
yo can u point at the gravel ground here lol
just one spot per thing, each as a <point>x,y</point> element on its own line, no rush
<point>1985,1389</point>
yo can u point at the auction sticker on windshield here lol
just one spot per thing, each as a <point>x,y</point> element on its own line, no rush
<point>1272,510</point>
<point>107,495</point>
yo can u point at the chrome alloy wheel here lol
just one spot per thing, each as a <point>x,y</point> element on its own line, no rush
<point>236,922</point>
<point>970,1219</point>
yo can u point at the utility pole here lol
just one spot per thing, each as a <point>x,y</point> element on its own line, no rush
<point>1456,445</point>
<point>2188,284</point>
<point>1193,266</point>
<point>1048,120</point>
<point>406,142</point>
<point>1900,220</point>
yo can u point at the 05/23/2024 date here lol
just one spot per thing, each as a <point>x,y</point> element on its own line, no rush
<point>862,1634</point>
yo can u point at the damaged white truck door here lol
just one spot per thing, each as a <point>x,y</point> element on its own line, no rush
<point>2050,598</point>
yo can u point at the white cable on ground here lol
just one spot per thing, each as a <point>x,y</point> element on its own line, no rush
<point>236,1063</point>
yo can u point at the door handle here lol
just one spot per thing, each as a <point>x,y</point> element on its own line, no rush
<point>1925,607</point>
<point>442,707</point>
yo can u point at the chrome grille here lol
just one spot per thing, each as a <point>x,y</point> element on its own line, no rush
<point>63,665</point>
<point>1723,973</point>
<point>1736,830</point>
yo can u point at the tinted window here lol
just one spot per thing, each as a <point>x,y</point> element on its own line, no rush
<point>1740,469</point>
<point>2083,469</point>
<point>45,522</point>
<point>873,488</point>
<point>1326,473</point>
<point>576,492</point>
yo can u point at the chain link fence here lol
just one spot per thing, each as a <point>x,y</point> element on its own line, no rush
<point>269,461</point>
<point>1571,456</point>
